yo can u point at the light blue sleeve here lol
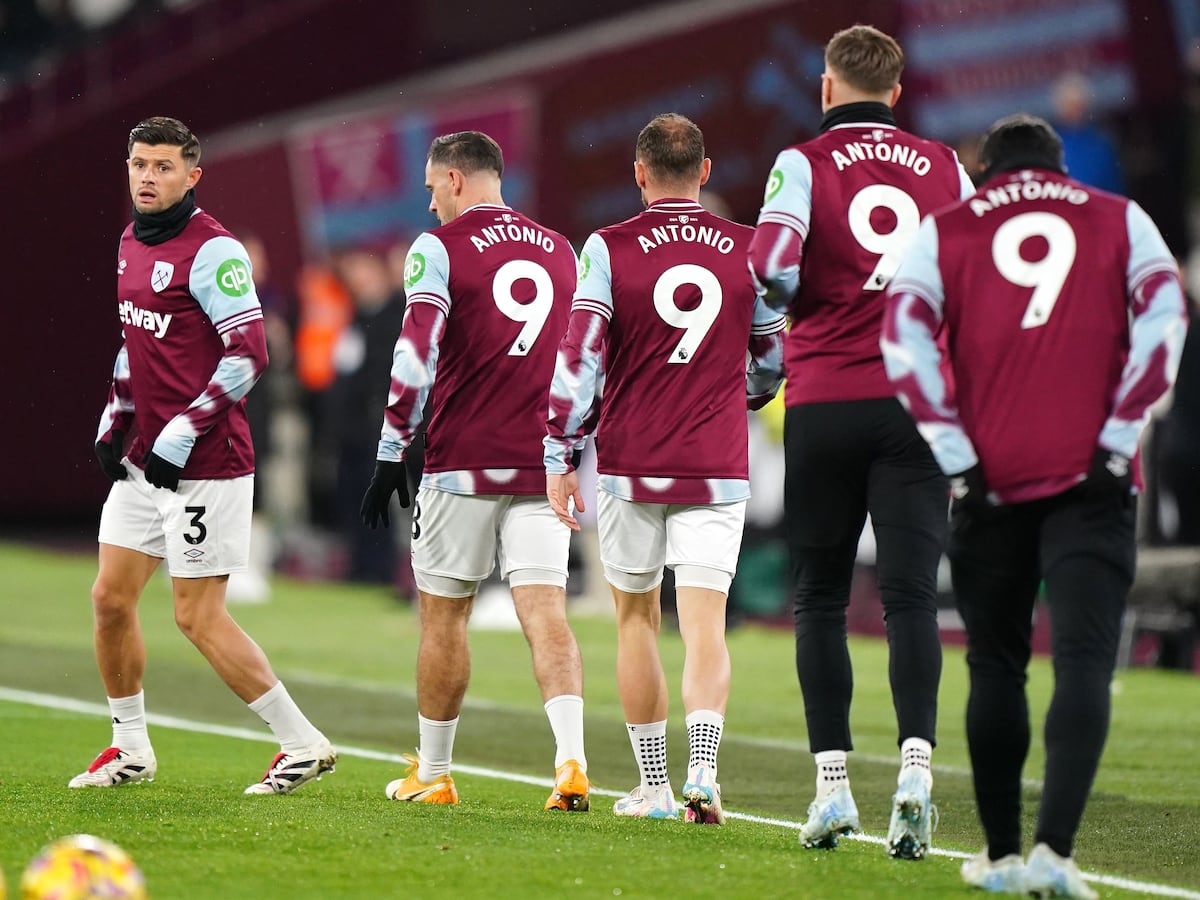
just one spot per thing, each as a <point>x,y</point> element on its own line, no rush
<point>966,187</point>
<point>418,347</point>
<point>578,380</point>
<point>427,273</point>
<point>764,367</point>
<point>1148,252</point>
<point>593,288</point>
<point>1159,323</point>
<point>919,272</point>
<point>788,196</point>
<point>911,355</point>
<point>222,283</point>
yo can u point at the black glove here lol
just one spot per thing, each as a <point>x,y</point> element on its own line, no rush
<point>161,473</point>
<point>968,494</point>
<point>1110,473</point>
<point>109,453</point>
<point>388,477</point>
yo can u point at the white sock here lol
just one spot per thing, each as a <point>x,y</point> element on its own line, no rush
<point>281,714</point>
<point>437,746</point>
<point>129,722</point>
<point>917,752</point>
<point>704,738</point>
<point>831,772</point>
<point>565,713</point>
<point>650,749</point>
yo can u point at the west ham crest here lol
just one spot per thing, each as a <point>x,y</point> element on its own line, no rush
<point>161,276</point>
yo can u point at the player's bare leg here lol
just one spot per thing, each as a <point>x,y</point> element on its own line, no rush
<point>542,609</point>
<point>706,661</point>
<point>201,615</point>
<point>443,672</point>
<point>120,649</point>
<point>706,675</point>
<point>641,682</point>
<point>304,752</point>
<point>443,657</point>
<point>642,686</point>
<point>121,659</point>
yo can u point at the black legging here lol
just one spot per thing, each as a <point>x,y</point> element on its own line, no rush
<point>1081,548</point>
<point>843,461</point>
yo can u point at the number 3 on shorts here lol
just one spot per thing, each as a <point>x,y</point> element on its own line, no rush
<point>196,512</point>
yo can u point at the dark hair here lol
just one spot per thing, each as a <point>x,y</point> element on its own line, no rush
<point>865,58</point>
<point>671,147</point>
<point>1020,142</point>
<point>467,151</point>
<point>165,130</point>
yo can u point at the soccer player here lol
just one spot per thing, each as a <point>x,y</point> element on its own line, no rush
<point>838,214</point>
<point>488,299</point>
<point>182,491</point>
<point>666,306</point>
<point>1066,320</point>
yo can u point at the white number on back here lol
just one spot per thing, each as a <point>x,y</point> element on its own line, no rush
<point>891,245</point>
<point>532,314</point>
<point>1047,275</point>
<point>695,322</point>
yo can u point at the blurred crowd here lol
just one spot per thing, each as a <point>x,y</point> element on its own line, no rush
<point>316,414</point>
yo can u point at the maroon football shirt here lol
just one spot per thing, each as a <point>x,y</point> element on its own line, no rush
<point>850,200</point>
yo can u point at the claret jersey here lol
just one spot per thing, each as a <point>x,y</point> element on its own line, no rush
<point>193,348</point>
<point>838,214</point>
<point>1065,317</point>
<point>489,294</point>
<point>665,304</point>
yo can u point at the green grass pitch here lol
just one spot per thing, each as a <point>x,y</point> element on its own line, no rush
<point>347,654</point>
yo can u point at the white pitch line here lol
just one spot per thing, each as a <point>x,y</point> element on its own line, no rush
<point>84,707</point>
<point>320,679</point>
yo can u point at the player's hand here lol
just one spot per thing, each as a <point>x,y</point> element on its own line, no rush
<point>388,477</point>
<point>160,473</point>
<point>969,495</point>
<point>1111,473</point>
<point>109,453</point>
<point>560,490</point>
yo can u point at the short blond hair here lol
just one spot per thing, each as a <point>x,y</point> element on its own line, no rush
<point>865,58</point>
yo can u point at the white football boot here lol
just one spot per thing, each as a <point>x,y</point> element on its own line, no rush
<point>115,767</point>
<point>290,770</point>
<point>827,818</point>
<point>648,804</point>
<point>998,876</point>
<point>913,816</point>
<point>1049,875</point>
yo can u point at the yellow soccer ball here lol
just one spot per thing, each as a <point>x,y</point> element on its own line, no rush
<point>82,867</point>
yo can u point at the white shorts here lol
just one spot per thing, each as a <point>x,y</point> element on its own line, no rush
<point>203,529</point>
<point>460,536</point>
<point>639,539</point>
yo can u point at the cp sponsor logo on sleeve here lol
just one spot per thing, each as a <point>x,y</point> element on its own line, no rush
<point>161,276</point>
<point>774,183</point>
<point>585,266</point>
<point>233,278</point>
<point>413,269</point>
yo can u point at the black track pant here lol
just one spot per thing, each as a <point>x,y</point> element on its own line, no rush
<point>843,460</point>
<point>1082,549</point>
